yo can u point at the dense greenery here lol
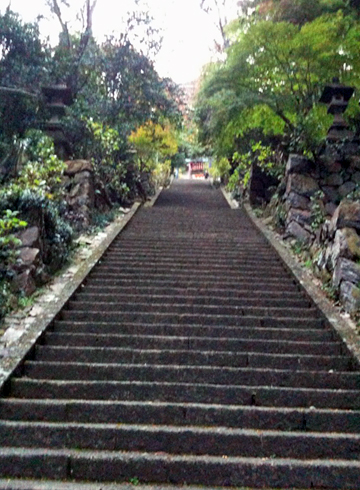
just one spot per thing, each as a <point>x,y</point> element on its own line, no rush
<point>268,87</point>
<point>116,93</point>
<point>258,103</point>
<point>112,84</point>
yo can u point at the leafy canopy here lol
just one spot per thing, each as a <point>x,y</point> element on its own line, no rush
<point>272,79</point>
<point>153,143</point>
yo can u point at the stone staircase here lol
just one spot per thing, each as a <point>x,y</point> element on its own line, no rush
<point>189,357</point>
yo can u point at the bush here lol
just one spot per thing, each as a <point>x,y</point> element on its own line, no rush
<point>43,170</point>
<point>103,148</point>
<point>220,169</point>
<point>40,211</point>
<point>161,174</point>
<point>8,243</point>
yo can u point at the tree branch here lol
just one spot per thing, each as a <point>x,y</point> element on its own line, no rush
<point>17,91</point>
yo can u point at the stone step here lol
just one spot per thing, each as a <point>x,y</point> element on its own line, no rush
<point>190,357</point>
<point>181,440</point>
<point>208,256</point>
<point>105,466</point>
<point>228,269</point>
<point>195,241</point>
<point>248,282</point>
<point>186,393</point>
<point>195,343</point>
<point>180,414</point>
<point>190,374</point>
<point>190,250</point>
<point>211,259</point>
<point>258,316</point>
<point>193,357</point>
<point>245,308</point>
<point>109,301</point>
<point>96,292</point>
<point>17,484</point>
<point>210,322</point>
<point>244,332</point>
<point>263,274</point>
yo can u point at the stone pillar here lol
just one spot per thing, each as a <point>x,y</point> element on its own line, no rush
<point>57,97</point>
<point>337,97</point>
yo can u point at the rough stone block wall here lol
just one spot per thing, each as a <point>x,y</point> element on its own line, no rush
<point>320,190</point>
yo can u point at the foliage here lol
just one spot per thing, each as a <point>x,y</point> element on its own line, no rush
<point>23,69</point>
<point>134,91</point>
<point>161,174</point>
<point>112,82</point>
<point>37,183</point>
<point>22,55</point>
<point>189,139</point>
<point>317,210</point>
<point>243,168</point>
<point>301,11</point>
<point>218,10</point>
<point>123,92</point>
<point>102,148</point>
<point>100,220</point>
<point>235,180</point>
<point>354,195</point>
<point>271,82</point>
<point>71,57</point>
<point>153,143</point>
<point>220,169</point>
<point>8,243</point>
<point>40,211</point>
<point>140,30</point>
<point>264,156</point>
<point>43,170</point>
<point>280,212</point>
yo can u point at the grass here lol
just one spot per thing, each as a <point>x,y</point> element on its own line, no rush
<point>134,481</point>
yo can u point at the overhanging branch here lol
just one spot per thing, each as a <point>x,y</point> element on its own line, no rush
<point>17,91</point>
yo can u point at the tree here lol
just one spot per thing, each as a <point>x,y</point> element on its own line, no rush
<point>123,92</point>
<point>153,143</point>
<point>217,8</point>
<point>71,52</point>
<point>300,12</point>
<point>141,32</point>
<point>275,72</point>
<point>224,11</point>
<point>24,63</point>
<point>23,57</point>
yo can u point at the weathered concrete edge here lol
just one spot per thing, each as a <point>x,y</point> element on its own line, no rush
<point>152,201</point>
<point>55,485</point>
<point>341,325</point>
<point>17,353</point>
<point>232,203</point>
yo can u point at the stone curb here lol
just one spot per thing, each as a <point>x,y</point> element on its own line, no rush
<point>344,327</point>
<point>232,203</point>
<point>29,332</point>
<point>50,485</point>
<point>152,201</point>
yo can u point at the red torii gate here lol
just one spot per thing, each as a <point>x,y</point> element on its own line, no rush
<point>196,168</point>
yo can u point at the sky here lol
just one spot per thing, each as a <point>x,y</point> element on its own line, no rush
<point>188,32</point>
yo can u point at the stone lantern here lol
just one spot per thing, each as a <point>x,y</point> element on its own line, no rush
<point>57,97</point>
<point>337,97</point>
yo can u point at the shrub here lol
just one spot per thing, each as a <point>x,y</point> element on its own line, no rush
<point>8,243</point>
<point>40,211</point>
<point>103,148</point>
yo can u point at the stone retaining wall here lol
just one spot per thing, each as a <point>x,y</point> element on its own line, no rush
<point>30,270</point>
<point>318,214</point>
